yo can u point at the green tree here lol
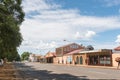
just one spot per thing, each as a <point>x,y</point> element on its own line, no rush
<point>89,47</point>
<point>11,17</point>
<point>25,55</point>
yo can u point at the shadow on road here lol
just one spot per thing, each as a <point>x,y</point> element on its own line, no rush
<point>29,73</point>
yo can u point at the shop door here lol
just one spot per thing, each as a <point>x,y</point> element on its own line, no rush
<point>81,60</point>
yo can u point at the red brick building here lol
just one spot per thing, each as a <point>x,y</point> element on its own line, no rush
<point>67,48</point>
<point>62,52</point>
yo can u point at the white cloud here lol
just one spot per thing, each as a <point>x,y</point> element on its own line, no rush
<point>90,34</point>
<point>77,35</point>
<point>38,46</point>
<point>105,46</point>
<point>52,22</point>
<point>46,45</point>
<point>110,3</point>
<point>38,5</point>
<point>87,35</point>
<point>118,39</point>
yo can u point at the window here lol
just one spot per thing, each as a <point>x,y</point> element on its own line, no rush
<point>76,46</point>
<point>65,49</point>
<point>72,46</point>
<point>68,49</point>
<point>105,59</point>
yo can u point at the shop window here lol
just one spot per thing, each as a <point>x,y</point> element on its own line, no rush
<point>105,59</point>
<point>65,49</point>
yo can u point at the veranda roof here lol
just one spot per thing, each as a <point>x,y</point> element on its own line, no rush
<point>117,48</point>
<point>74,52</point>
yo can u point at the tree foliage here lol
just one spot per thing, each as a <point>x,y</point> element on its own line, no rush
<point>25,55</point>
<point>11,16</point>
<point>89,47</point>
<point>117,59</point>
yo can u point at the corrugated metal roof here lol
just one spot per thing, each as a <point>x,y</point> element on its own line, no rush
<point>90,51</point>
<point>97,50</point>
<point>73,52</point>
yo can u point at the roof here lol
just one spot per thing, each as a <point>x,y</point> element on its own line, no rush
<point>97,50</point>
<point>35,55</point>
<point>51,54</point>
<point>75,51</point>
<point>117,48</point>
<point>89,51</point>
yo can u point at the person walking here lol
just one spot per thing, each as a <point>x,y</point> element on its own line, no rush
<point>117,59</point>
<point>118,65</point>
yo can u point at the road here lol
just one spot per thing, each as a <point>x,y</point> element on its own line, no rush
<point>37,71</point>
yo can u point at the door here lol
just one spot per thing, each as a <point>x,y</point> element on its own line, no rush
<point>81,60</point>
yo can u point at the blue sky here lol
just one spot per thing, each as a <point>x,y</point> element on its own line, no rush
<point>88,22</point>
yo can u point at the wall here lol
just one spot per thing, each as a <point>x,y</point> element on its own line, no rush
<point>66,59</point>
<point>55,60</point>
<point>80,55</point>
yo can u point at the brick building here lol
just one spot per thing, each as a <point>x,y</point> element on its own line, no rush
<point>62,52</point>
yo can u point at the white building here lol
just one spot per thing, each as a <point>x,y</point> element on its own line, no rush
<point>32,58</point>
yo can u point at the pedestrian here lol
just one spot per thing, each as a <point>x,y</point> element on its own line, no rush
<point>118,65</point>
<point>2,62</point>
<point>5,60</point>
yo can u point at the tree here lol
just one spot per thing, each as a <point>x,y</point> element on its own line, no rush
<point>11,17</point>
<point>25,55</point>
<point>89,47</point>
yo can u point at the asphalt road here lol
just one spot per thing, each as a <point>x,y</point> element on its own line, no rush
<point>37,71</point>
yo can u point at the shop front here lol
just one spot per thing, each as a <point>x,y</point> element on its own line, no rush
<point>50,57</point>
<point>101,57</point>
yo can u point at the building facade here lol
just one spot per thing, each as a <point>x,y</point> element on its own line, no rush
<point>63,55</point>
<point>50,57</point>
<point>102,57</point>
<point>34,57</point>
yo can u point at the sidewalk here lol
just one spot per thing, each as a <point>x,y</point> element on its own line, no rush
<point>91,66</point>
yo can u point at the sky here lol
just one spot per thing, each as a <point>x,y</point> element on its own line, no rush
<point>49,24</point>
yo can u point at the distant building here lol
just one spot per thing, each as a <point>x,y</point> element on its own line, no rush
<point>35,57</point>
<point>78,55</point>
<point>50,57</point>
